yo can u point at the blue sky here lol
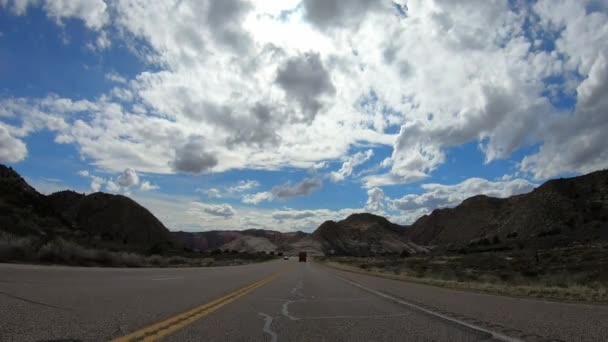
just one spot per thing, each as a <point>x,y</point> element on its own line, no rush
<point>281,115</point>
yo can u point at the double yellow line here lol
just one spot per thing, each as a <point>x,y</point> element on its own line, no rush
<point>161,329</point>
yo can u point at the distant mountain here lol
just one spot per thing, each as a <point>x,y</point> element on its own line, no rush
<point>557,212</point>
<point>363,235</point>
<point>250,240</point>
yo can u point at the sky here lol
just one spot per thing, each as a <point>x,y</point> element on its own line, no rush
<point>280,115</point>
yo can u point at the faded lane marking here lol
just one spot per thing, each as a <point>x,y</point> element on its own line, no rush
<point>171,278</point>
<point>495,335</point>
<point>164,328</point>
<point>267,327</point>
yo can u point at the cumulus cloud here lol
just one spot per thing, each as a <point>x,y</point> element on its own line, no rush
<point>305,187</point>
<point>96,183</point>
<point>147,186</point>
<point>375,201</point>
<point>258,197</point>
<point>305,79</point>
<point>128,178</point>
<point>193,157</point>
<point>577,143</point>
<point>12,149</point>
<point>222,210</point>
<point>441,196</point>
<point>292,214</point>
<point>330,13</point>
<point>491,73</point>
<point>92,12</point>
<point>111,186</point>
<point>285,191</point>
<point>211,193</point>
<point>349,164</point>
<point>244,185</point>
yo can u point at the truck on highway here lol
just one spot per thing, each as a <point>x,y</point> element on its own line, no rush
<point>302,256</point>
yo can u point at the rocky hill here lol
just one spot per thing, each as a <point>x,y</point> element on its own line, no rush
<point>113,219</point>
<point>363,235</point>
<point>97,220</point>
<point>557,212</point>
<point>24,211</point>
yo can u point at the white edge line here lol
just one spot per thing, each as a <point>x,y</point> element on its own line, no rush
<point>494,334</point>
<point>167,278</point>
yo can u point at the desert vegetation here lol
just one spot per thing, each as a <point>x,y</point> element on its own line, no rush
<point>575,273</point>
<point>29,249</point>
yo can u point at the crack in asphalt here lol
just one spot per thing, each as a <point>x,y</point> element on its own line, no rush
<point>267,327</point>
<point>34,302</point>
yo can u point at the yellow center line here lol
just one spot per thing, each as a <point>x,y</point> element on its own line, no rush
<point>168,326</point>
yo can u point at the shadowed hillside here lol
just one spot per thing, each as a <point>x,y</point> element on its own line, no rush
<point>363,235</point>
<point>114,219</point>
<point>557,212</point>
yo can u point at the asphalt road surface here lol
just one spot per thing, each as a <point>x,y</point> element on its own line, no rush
<point>273,301</point>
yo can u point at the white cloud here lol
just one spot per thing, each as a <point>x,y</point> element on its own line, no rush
<point>246,85</point>
<point>258,197</point>
<point>128,178</point>
<point>441,196</point>
<point>303,188</point>
<point>84,173</point>
<point>111,186</point>
<point>211,193</point>
<point>116,77</point>
<point>223,210</point>
<point>92,12</point>
<point>12,149</point>
<point>349,164</point>
<point>375,201</point>
<point>186,213</point>
<point>282,215</point>
<point>147,186</point>
<point>96,184</point>
<point>244,185</point>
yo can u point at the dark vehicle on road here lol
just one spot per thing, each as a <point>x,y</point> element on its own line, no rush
<point>302,257</point>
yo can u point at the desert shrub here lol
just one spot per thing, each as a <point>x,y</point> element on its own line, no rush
<point>157,260</point>
<point>404,254</point>
<point>495,240</point>
<point>13,248</point>
<point>512,235</point>
<point>177,260</point>
<point>130,259</point>
<point>65,252</point>
<point>484,262</point>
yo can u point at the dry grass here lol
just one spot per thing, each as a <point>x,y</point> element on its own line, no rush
<point>558,286</point>
<point>60,251</point>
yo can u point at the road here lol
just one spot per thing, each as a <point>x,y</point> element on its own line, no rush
<point>274,301</point>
